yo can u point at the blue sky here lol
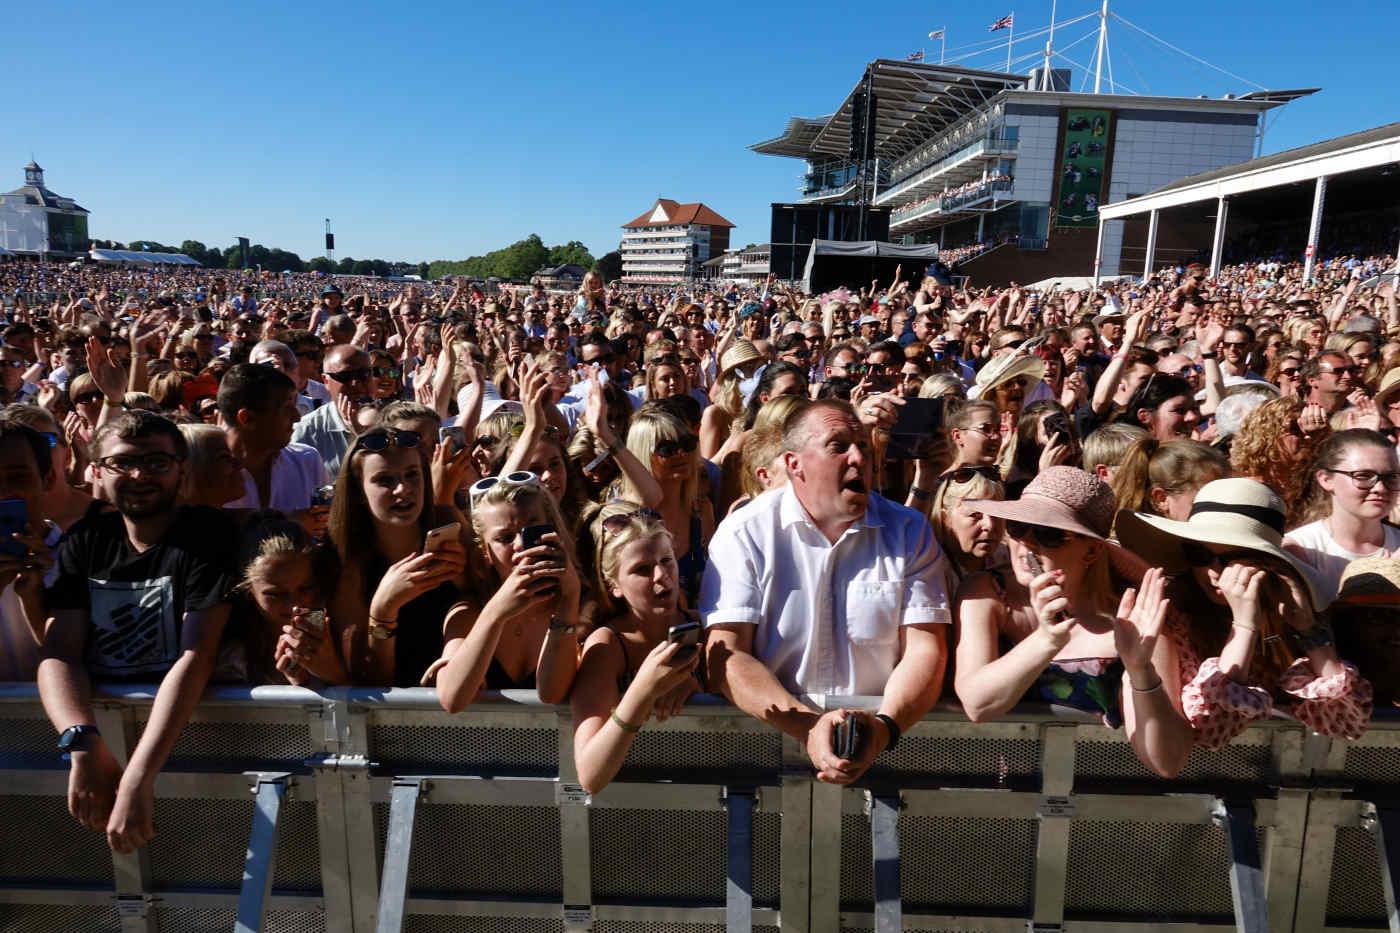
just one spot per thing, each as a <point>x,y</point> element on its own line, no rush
<point>439,132</point>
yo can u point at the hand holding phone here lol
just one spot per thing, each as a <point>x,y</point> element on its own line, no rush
<point>848,737</point>
<point>438,538</point>
<point>687,635</point>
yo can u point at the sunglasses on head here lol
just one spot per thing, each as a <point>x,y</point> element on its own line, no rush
<point>616,523</point>
<point>381,440</point>
<point>516,478</point>
<point>686,443</point>
<point>965,474</point>
<point>1049,538</point>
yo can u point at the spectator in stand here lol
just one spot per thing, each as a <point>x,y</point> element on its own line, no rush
<point>1164,405</point>
<point>137,592</point>
<point>825,587</point>
<point>330,429</point>
<point>1162,477</point>
<point>309,353</point>
<point>1275,445</point>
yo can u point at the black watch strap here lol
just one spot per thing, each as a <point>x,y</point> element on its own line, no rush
<point>893,726</point>
<point>76,737</point>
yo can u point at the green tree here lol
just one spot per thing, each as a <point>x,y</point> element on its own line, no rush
<point>321,264</point>
<point>423,270</point>
<point>346,266</point>
<point>195,250</point>
<point>571,252</point>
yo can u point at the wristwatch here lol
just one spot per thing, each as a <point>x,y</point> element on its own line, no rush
<point>75,737</point>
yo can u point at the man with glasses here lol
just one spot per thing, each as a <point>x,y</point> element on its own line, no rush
<point>138,593</point>
<point>331,428</point>
<point>1234,361</point>
<point>826,587</point>
<point>310,355</point>
<point>13,388</point>
<point>1329,379</point>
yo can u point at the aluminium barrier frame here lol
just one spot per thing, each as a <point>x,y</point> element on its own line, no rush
<point>714,823</point>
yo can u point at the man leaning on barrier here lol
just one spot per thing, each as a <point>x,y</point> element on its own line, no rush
<point>137,592</point>
<point>825,587</point>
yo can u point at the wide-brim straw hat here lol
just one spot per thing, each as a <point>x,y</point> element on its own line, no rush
<point>1390,387</point>
<point>1371,581</point>
<point>1009,366</point>
<point>1063,497</point>
<point>1234,513</point>
<point>738,353</point>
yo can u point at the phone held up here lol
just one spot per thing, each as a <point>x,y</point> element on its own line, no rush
<point>848,737</point>
<point>687,635</point>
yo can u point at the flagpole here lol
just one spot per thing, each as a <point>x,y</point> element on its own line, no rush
<point>1010,35</point>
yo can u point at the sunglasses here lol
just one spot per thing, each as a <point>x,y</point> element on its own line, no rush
<point>1238,344</point>
<point>208,409</point>
<point>668,449</point>
<point>1049,538</point>
<point>519,429</point>
<point>965,474</point>
<point>87,398</point>
<point>616,523</point>
<point>381,440</point>
<point>347,376</point>
<point>385,372</point>
<point>1289,372</point>
<point>1198,555</point>
<point>13,364</point>
<point>517,478</point>
<point>484,440</point>
<point>1188,370</point>
<point>1342,370</point>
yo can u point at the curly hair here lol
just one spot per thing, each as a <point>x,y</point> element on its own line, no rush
<point>1255,451</point>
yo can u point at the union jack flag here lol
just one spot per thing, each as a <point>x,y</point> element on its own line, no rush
<point>1003,23</point>
<point>914,56</point>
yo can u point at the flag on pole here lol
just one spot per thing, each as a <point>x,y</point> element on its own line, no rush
<point>1003,23</point>
<point>915,56</point>
<point>936,34</point>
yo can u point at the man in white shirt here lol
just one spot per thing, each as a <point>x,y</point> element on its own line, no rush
<point>825,587</point>
<point>258,407</point>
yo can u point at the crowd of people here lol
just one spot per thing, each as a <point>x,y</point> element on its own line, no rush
<point>1169,503</point>
<point>978,187</point>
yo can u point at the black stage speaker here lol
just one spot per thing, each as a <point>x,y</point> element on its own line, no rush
<point>795,226</point>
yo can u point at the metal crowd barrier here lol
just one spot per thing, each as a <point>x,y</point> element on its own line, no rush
<point>372,810</point>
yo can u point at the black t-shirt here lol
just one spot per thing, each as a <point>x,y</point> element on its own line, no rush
<point>138,601</point>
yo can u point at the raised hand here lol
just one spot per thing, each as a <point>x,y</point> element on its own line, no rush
<point>1051,607</point>
<point>1138,622</point>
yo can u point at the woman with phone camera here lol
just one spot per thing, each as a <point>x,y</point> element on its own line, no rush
<point>391,594</point>
<point>639,662</point>
<point>273,615</point>
<point>1075,642</point>
<point>1045,437</point>
<point>519,630</point>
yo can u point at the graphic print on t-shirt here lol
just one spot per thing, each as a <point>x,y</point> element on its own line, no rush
<point>133,626</point>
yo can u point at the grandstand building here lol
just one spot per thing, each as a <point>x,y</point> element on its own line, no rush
<point>37,221</point>
<point>671,242</point>
<point>1017,163</point>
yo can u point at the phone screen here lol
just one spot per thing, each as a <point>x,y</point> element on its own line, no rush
<point>917,424</point>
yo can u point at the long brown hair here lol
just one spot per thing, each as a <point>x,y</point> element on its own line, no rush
<point>350,528</point>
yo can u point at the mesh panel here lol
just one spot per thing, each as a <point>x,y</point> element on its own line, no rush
<point>677,855</point>
<point>421,923</point>
<point>1177,870</point>
<point>51,918</point>
<point>995,758</point>
<point>236,744</point>
<point>511,751</point>
<point>69,854</point>
<point>194,920</point>
<point>1115,759</point>
<point>1354,893</point>
<point>29,737</point>
<point>636,926</point>
<point>711,757</point>
<point>1373,763</point>
<point>484,851</point>
<point>945,863</point>
<point>298,848</point>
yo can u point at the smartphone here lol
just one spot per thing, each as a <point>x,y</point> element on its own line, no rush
<point>323,495</point>
<point>314,620</point>
<point>1057,428</point>
<point>954,348</point>
<point>917,424</point>
<point>848,738</point>
<point>455,435</point>
<point>438,537</point>
<point>687,635</point>
<point>14,515</point>
<point>1037,568</point>
<point>531,535</point>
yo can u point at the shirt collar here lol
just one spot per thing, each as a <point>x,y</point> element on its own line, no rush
<point>791,512</point>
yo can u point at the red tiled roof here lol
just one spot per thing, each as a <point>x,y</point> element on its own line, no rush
<point>695,213</point>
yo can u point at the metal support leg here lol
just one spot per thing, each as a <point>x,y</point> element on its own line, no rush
<point>1151,244</point>
<point>1217,249</point>
<point>738,889</point>
<point>393,887</point>
<point>131,872</point>
<point>884,854</point>
<point>261,859</point>
<point>1098,253</point>
<point>1386,826</point>
<point>1314,228</point>
<point>1246,874</point>
<point>575,849</point>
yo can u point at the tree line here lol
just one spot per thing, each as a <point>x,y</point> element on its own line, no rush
<point>519,260</point>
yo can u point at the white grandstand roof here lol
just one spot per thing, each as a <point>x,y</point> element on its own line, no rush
<point>141,257</point>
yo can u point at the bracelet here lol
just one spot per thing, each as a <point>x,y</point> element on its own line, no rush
<point>1208,356</point>
<point>893,726</point>
<point>623,724</point>
<point>108,403</point>
<point>923,495</point>
<point>381,629</point>
<point>557,624</point>
<point>1247,628</point>
<point>1152,689</point>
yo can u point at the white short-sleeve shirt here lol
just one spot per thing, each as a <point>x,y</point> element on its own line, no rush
<point>297,473</point>
<point>827,615</point>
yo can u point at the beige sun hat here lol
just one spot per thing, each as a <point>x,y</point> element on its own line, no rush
<point>1390,387</point>
<point>1234,513</point>
<point>1006,367</point>
<point>738,353</point>
<point>1371,581</point>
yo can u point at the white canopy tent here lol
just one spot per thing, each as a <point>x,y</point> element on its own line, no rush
<point>141,257</point>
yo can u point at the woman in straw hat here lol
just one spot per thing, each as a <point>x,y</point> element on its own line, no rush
<point>739,363</point>
<point>1366,617</point>
<point>1007,382</point>
<point>1355,478</point>
<point>1244,617</point>
<point>1075,639</point>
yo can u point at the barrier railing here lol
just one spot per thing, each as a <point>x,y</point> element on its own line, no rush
<point>372,810</point>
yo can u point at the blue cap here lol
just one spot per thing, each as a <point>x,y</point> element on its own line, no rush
<point>749,309</point>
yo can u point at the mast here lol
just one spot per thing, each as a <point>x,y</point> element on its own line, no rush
<point>1103,46</point>
<point>1045,83</point>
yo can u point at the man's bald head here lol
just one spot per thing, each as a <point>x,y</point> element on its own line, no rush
<point>347,372</point>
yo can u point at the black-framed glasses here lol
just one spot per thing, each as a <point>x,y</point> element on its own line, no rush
<point>616,523</point>
<point>385,372</point>
<point>965,474</point>
<point>156,464</point>
<point>1049,538</point>
<point>685,443</point>
<point>1237,344</point>
<point>1198,555</point>
<point>1290,373</point>
<point>381,440</point>
<point>207,408</point>
<point>1365,479</point>
<point>347,376</point>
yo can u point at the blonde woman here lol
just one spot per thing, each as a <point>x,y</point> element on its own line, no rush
<point>739,363</point>
<point>215,475</point>
<point>971,539</point>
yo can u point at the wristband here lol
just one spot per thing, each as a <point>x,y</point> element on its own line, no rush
<point>108,403</point>
<point>557,624</point>
<point>893,726</point>
<point>923,495</point>
<point>623,724</point>
<point>1152,689</point>
<point>1208,356</point>
<point>382,629</point>
<point>1318,636</point>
